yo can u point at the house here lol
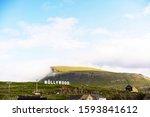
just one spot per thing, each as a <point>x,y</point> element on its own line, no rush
<point>92,97</point>
<point>131,88</point>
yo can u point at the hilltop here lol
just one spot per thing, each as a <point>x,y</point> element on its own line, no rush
<point>96,77</point>
<point>71,68</point>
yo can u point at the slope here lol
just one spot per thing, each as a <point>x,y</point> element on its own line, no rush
<point>96,77</point>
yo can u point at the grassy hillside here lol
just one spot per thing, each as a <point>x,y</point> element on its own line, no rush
<point>82,79</point>
<point>100,78</point>
<point>51,91</point>
<point>27,89</point>
<point>71,68</point>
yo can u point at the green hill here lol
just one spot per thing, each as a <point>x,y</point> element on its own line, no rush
<point>71,68</point>
<point>95,77</point>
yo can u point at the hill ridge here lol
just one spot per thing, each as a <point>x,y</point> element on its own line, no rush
<point>97,77</point>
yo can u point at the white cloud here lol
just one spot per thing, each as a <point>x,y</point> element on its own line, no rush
<point>127,55</point>
<point>68,45</point>
<point>26,71</point>
<point>102,31</point>
<point>58,32</point>
<point>4,56</point>
<point>147,35</point>
<point>129,16</point>
<point>12,32</point>
<point>146,10</point>
<point>61,23</point>
<point>49,6</point>
<point>142,13</point>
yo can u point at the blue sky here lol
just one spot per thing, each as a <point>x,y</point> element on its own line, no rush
<point>108,34</point>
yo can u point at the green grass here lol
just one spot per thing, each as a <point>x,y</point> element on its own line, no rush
<point>50,91</point>
<point>102,79</point>
<point>72,68</point>
<point>95,77</point>
<point>108,84</point>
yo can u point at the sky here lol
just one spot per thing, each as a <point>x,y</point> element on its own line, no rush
<point>113,35</point>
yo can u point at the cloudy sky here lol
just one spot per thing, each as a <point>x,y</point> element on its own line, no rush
<point>108,34</point>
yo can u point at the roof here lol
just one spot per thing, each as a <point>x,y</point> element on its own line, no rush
<point>95,96</point>
<point>84,97</point>
<point>128,86</point>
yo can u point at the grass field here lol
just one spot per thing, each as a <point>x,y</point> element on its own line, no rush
<point>72,68</point>
<point>10,92</point>
<point>87,80</point>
